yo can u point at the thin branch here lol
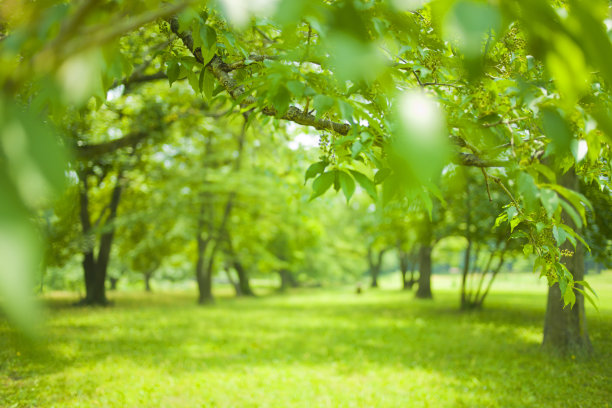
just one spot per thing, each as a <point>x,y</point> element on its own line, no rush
<point>89,151</point>
<point>105,34</point>
<point>440,84</point>
<point>238,93</point>
<point>504,122</point>
<point>417,77</point>
<point>501,184</point>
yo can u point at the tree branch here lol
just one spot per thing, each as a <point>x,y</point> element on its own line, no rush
<point>221,70</point>
<point>90,151</point>
<point>237,92</point>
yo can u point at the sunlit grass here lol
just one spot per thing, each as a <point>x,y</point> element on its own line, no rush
<point>312,348</point>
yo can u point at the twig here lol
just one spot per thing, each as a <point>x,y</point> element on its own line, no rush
<point>486,177</point>
<point>504,122</point>
<point>501,184</point>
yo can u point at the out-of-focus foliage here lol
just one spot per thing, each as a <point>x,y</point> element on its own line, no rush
<point>398,91</point>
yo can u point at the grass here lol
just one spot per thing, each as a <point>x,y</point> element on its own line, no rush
<point>313,348</point>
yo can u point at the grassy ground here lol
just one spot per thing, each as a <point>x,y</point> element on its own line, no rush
<point>315,348</point>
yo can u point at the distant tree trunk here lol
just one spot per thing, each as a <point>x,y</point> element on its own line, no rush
<point>95,268</point>
<point>565,329</point>
<point>406,263</point>
<point>287,279</point>
<point>113,283</point>
<point>465,272</point>
<point>424,289</point>
<point>147,280</point>
<point>234,283</point>
<point>243,279</point>
<point>244,285</point>
<point>375,263</point>
<point>468,250</point>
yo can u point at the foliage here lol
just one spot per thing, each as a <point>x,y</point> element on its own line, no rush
<point>398,94</point>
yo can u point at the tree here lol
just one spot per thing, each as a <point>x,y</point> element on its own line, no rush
<point>514,88</point>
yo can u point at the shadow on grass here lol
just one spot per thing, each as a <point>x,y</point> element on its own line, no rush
<point>498,346</point>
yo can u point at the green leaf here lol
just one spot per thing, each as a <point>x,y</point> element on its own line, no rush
<point>347,183</point>
<point>587,297</point>
<point>208,36</point>
<point>322,183</point>
<point>356,149</point>
<point>365,183</point>
<point>559,234</point>
<point>549,200</point>
<point>281,100</point>
<point>572,213</point>
<point>315,169</point>
<point>557,130</point>
<point>586,285</point>
<point>381,175</point>
<point>528,249</point>
<point>577,200</point>
<point>346,110</point>
<point>296,88</point>
<point>569,297</point>
<point>173,71</point>
<point>194,82</point>
<point>528,190</point>
<point>207,83</point>
<point>322,104</point>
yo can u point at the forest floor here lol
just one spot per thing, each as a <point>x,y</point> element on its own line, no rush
<point>309,348</point>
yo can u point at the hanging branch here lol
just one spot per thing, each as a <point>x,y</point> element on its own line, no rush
<point>220,71</point>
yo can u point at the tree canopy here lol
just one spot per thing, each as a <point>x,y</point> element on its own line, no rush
<point>400,93</point>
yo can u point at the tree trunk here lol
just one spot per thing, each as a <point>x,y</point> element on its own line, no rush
<point>147,281</point>
<point>287,279</point>
<point>243,279</point>
<point>403,264</point>
<point>375,265</point>
<point>244,286</point>
<point>95,269</point>
<point>424,289</point>
<point>464,274</point>
<point>234,284</point>
<point>565,329</point>
<point>113,283</point>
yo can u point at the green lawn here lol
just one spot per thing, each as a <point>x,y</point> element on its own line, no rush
<point>313,348</point>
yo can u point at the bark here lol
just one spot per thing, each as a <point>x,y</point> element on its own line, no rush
<point>404,264</point>
<point>147,281</point>
<point>243,287</point>
<point>243,279</point>
<point>220,71</point>
<point>465,272</point>
<point>113,283</point>
<point>565,329</point>
<point>424,289</point>
<point>95,267</point>
<point>287,279</point>
<point>234,283</point>
<point>375,265</point>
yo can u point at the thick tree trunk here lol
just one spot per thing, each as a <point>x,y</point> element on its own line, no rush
<point>287,279</point>
<point>565,329</point>
<point>243,279</point>
<point>424,289</point>
<point>95,269</point>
